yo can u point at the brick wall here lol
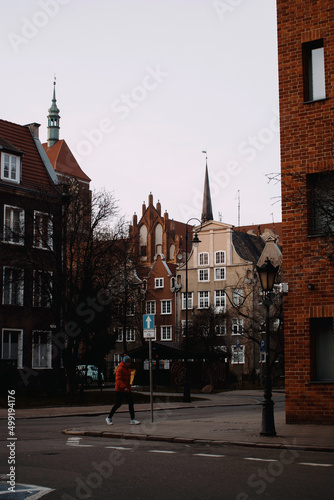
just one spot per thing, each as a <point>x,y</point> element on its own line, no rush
<point>307,142</point>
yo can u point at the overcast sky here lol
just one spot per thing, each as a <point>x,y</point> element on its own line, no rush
<point>144,86</point>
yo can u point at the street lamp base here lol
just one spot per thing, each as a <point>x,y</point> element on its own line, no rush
<point>268,423</point>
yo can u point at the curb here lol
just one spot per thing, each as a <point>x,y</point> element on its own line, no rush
<point>147,437</point>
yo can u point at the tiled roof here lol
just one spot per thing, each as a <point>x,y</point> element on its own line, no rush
<point>63,161</point>
<point>248,246</point>
<point>34,172</point>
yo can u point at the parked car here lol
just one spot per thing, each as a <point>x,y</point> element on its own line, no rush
<point>92,373</point>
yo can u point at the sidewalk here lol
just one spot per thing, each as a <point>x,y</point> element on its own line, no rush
<point>225,427</point>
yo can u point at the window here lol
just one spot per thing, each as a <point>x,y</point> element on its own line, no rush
<point>158,283</point>
<point>190,300</point>
<point>220,329</point>
<point>219,273</point>
<point>237,326</point>
<point>130,309</point>
<point>14,225</point>
<point>203,259</point>
<point>183,326</point>
<point>42,350</point>
<point>13,286</point>
<point>42,289</point>
<point>130,334</point>
<point>322,348</point>
<point>238,355</point>
<point>166,307</point>
<point>237,297</point>
<point>12,347</point>
<point>10,167</point>
<point>220,257</point>
<point>314,70</point>
<point>203,275</point>
<point>119,335</point>
<point>151,307</point>
<point>43,230</point>
<point>166,333</point>
<point>220,301</point>
<point>320,189</point>
<point>203,300</point>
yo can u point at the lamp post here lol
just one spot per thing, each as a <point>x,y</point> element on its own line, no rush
<point>195,242</point>
<point>267,274</point>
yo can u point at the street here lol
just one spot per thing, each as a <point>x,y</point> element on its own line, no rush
<point>77,467</point>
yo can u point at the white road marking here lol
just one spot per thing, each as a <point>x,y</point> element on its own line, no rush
<point>311,464</point>
<point>208,455</point>
<point>161,451</point>
<point>75,441</point>
<point>261,459</point>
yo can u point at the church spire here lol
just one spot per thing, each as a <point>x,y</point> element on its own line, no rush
<point>53,119</point>
<point>207,205</point>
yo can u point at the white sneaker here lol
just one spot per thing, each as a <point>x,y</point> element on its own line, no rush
<point>134,421</point>
<point>109,421</point>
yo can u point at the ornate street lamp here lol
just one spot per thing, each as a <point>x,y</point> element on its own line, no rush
<point>195,242</point>
<point>267,274</point>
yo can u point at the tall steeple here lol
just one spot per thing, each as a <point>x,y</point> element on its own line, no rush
<point>207,205</point>
<point>53,120</point>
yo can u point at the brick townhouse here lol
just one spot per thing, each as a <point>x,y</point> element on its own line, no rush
<point>306,90</point>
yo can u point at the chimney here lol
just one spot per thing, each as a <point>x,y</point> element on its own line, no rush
<point>34,129</point>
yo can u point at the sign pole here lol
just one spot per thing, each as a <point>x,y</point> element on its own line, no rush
<point>151,379</point>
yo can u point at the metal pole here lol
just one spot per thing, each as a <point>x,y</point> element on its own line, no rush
<point>186,390</point>
<point>268,424</point>
<point>151,378</point>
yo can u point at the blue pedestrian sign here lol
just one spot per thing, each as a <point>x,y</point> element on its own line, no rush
<point>148,326</point>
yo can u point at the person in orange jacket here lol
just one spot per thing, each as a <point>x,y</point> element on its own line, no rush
<point>123,389</point>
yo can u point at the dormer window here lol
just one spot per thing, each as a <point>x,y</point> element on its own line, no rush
<point>10,167</point>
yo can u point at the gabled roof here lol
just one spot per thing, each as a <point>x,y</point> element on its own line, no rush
<point>63,161</point>
<point>248,246</point>
<point>36,173</point>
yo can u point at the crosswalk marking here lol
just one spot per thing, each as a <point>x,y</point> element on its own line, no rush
<point>75,441</point>
<point>119,448</point>
<point>315,465</point>
<point>208,455</point>
<point>162,451</point>
<point>261,459</point>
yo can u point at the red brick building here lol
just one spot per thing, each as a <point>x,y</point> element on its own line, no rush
<point>306,69</point>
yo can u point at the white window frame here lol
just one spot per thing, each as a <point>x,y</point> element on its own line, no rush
<point>158,283</point>
<point>237,326</point>
<point>10,234</point>
<point>220,257</point>
<point>166,306</point>
<point>220,273</point>
<point>42,240</point>
<point>151,307</point>
<point>166,332</point>
<point>203,275</point>
<point>238,355</point>
<point>220,329</point>
<point>130,335</point>
<point>131,308</point>
<point>204,299</point>
<point>11,168</point>
<point>237,297</point>
<point>19,345</point>
<point>119,333</point>
<point>15,285</point>
<point>183,326</point>
<point>190,300</point>
<point>38,290</point>
<point>37,352</point>
<point>203,259</point>
<point>220,301</point>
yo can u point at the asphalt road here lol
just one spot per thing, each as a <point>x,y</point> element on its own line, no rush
<point>102,469</point>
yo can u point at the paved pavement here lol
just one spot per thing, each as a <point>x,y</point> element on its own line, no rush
<point>226,427</point>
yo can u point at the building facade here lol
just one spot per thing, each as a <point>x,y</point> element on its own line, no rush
<point>306,68</point>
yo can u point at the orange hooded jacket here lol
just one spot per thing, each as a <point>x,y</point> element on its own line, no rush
<point>122,379</point>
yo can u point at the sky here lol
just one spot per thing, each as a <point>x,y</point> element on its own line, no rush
<point>144,87</point>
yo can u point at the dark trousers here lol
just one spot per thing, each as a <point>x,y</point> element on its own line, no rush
<point>119,401</point>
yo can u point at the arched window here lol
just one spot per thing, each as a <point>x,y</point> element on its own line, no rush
<point>143,240</point>
<point>158,238</point>
<point>171,252</point>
